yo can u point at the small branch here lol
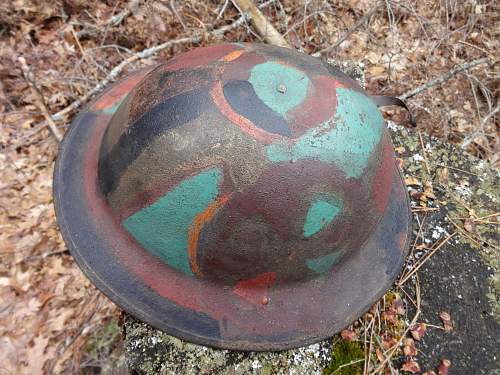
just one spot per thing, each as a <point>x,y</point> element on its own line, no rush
<point>115,72</point>
<point>443,78</point>
<point>177,15</point>
<point>424,259</point>
<point>112,21</point>
<point>483,122</point>
<point>39,99</point>
<point>265,29</point>
<point>392,350</point>
<point>356,26</point>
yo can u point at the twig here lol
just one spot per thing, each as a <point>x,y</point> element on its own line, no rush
<point>265,29</point>
<point>483,122</point>
<point>39,99</point>
<point>443,78</point>
<point>425,259</point>
<point>115,72</point>
<point>367,361</point>
<point>463,232</point>
<point>356,26</point>
<point>112,21</point>
<point>96,305</point>
<point>426,162</point>
<point>398,343</point>
<point>346,365</point>
<point>177,15</point>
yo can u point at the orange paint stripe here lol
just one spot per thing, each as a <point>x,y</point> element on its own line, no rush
<point>233,55</point>
<point>246,125</point>
<point>196,227</point>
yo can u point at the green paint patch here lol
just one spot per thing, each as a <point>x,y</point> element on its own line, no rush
<point>347,140</point>
<point>163,227</point>
<point>320,213</point>
<point>350,355</point>
<point>280,87</point>
<point>324,263</point>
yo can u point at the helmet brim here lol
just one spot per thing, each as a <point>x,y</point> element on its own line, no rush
<point>297,314</point>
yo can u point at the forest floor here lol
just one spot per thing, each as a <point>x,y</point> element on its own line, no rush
<point>54,55</point>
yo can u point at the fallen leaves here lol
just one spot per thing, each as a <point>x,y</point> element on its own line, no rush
<point>349,335</point>
<point>443,367</point>
<point>411,366</point>
<point>37,357</point>
<point>409,348</point>
<point>418,331</point>
<point>446,319</point>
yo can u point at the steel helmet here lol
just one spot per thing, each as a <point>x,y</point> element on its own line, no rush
<point>241,196</point>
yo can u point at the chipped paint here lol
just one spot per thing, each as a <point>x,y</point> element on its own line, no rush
<point>346,140</point>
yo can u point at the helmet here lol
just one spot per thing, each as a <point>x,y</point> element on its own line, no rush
<point>241,196</point>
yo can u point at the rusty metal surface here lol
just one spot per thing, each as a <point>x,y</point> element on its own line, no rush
<point>240,196</point>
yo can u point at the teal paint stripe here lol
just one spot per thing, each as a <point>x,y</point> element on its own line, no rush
<point>320,213</point>
<point>324,263</point>
<point>347,139</point>
<point>267,77</point>
<point>111,110</point>
<point>163,227</point>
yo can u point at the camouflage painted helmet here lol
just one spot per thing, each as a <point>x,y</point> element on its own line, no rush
<point>241,196</point>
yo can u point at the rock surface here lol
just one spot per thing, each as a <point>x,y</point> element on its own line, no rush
<point>461,278</point>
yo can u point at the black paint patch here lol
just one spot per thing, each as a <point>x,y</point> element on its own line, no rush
<point>243,99</point>
<point>168,114</point>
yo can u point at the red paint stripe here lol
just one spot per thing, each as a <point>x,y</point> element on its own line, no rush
<point>255,290</point>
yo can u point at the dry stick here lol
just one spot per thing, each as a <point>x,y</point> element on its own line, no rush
<point>39,99</point>
<point>112,21</point>
<point>346,365</point>
<point>443,78</point>
<point>356,26</point>
<point>425,259</point>
<point>464,232</point>
<point>483,122</point>
<point>426,162</point>
<point>414,320</point>
<point>113,74</point>
<point>260,22</point>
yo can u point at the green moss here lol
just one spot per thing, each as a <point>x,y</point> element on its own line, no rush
<point>343,353</point>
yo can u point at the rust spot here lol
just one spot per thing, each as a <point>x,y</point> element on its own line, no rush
<point>255,290</point>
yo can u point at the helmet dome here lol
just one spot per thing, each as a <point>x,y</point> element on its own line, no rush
<point>242,182</point>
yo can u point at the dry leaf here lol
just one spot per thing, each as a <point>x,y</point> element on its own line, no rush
<point>418,331</point>
<point>469,225</point>
<point>399,306</point>
<point>444,367</point>
<point>411,366</point>
<point>446,319</point>
<point>349,335</point>
<point>389,316</point>
<point>409,348</point>
<point>412,181</point>
<point>37,358</point>
<point>380,355</point>
<point>388,342</point>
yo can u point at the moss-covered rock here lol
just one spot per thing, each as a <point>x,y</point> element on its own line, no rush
<point>149,351</point>
<point>347,359</point>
